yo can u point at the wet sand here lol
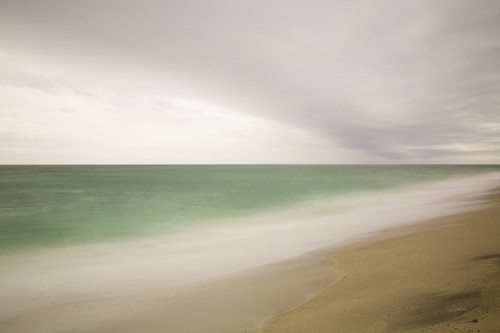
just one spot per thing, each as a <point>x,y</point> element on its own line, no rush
<point>442,275</point>
<point>237,303</point>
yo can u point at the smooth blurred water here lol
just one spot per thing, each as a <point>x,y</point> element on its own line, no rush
<point>61,205</point>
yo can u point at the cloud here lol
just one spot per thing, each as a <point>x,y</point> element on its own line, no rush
<point>386,80</point>
<point>94,120</point>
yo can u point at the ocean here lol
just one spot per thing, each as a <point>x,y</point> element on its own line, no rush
<point>66,205</point>
<point>72,234</point>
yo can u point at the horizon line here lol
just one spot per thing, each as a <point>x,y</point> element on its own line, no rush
<point>245,164</point>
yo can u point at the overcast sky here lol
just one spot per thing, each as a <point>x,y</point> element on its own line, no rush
<point>292,81</point>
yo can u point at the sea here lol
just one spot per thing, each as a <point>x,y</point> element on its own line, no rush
<point>75,233</point>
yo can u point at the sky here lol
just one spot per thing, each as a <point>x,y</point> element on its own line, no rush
<point>230,81</point>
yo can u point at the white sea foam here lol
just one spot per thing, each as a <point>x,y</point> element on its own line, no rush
<point>52,277</point>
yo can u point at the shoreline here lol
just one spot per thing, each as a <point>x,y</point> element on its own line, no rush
<point>438,275</point>
<point>278,297</point>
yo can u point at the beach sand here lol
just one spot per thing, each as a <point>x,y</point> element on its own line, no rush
<point>442,275</point>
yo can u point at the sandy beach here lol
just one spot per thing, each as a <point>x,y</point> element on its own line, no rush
<point>442,275</point>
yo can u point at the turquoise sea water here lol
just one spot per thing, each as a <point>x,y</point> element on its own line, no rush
<point>61,205</point>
